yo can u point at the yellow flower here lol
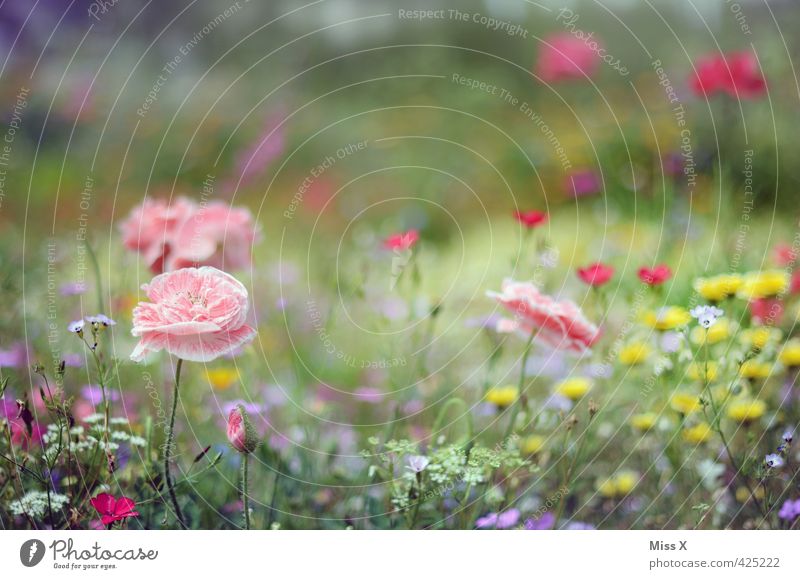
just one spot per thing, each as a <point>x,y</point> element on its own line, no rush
<point>790,354</point>
<point>743,494</point>
<point>644,422</point>
<point>619,485</point>
<point>697,371</point>
<point>685,403</point>
<point>574,388</point>
<point>763,284</point>
<point>502,396</point>
<point>717,288</point>
<point>634,353</point>
<point>667,318</point>
<point>720,331</point>
<point>755,370</point>
<point>746,410</point>
<point>698,433</point>
<point>222,378</point>
<point>532,444</point>
<point>757,338</point>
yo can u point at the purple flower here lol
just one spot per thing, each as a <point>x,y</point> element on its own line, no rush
<point>94,394</point>
<point>76,327</point>
<point>789,510</point>
<point>417,463</point>
<point>508,519</point>
<point>72,289</point>
<point>15,357</point>
<point>73,360</point>
<point>542,523</point>
<point>582,183</point>
<point>788,435</point>
<point>498,521</point>
<point>580,526</point>
<point>369,394</point>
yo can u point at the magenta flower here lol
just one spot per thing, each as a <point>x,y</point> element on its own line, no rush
<point>111,509</point>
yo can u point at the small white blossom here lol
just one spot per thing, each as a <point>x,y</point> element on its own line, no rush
<point>706,315</point>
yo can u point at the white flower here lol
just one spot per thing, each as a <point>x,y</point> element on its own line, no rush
<point>706,315</point>
<point>418,463</point>
<point>774,460</point>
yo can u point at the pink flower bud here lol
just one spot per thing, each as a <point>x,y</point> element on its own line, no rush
<point>241,433</point>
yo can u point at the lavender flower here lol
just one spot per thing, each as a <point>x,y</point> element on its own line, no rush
<point>789,510</point>
<point>101,320</point>
<point>541,523</point>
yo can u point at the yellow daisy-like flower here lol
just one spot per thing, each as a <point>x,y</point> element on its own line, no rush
<point>574,388</point>
<point>717,288</point>
<point>222,378</point>
<point>644,422</point>
<point>755,370</point>
<point>700,372</point>
<point>757,338</point>
<point>532,444</point>
<point>790,354</point>
<point>763,284</point>
<point>698,433</point>
<point>720,331</point>
<point>667,318</point>
<point>634,353</point>
<point>685,403</point>
<point>746,411</point>
<point>618,486</point>
<point>502,396</point>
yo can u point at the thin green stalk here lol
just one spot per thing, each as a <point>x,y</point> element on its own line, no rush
<point>168,448</point>
<point>245,498</point>
<point>515,405</point>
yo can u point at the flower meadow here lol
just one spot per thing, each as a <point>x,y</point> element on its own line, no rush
<point>426,318</point>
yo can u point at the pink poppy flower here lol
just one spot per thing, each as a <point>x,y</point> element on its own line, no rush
<point>736,74</point>
<point>241,433</point>
<point>563,57</point>
<point>559,324</point>
<point>196,314</point>
<point>531,219</point>
<point>111,509</point>
<point>217,235</point>
<point>402,241</point>
<point>656,275</point>
<point>150,227</point>
<point>596,274</point>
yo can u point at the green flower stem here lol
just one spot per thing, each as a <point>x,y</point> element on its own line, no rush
<point>168,448</point>
<point>515,405</point>
<point>245,499</point>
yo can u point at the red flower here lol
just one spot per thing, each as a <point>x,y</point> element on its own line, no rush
<point>111,509</point>
<point>530,219</point>
<point>655,276</point>
<point>402,241</point>
<point>596,274</point>
<point>736,74</point>
<point>766,311</point>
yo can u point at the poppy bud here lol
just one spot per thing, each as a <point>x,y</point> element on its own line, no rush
<point>241,433</point>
